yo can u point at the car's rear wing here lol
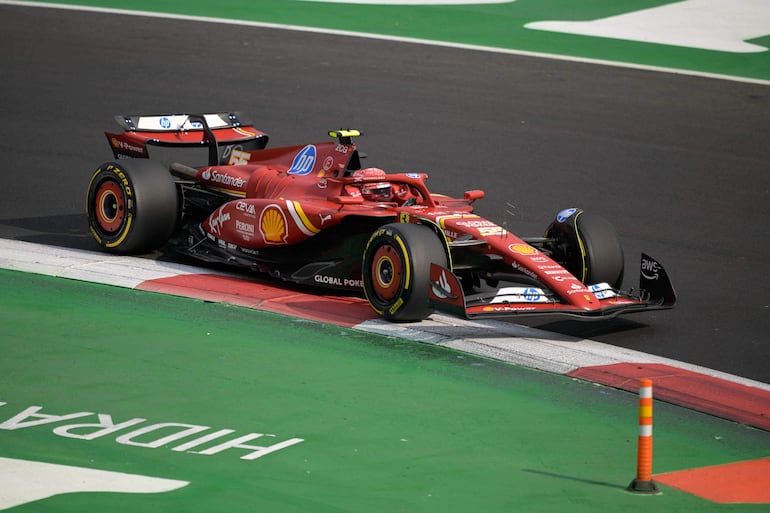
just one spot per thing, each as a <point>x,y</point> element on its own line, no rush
<point>224,133</point>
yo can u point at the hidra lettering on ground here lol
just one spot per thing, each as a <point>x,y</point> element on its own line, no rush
<point>139,432</point>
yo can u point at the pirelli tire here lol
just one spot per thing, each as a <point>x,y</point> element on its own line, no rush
<point>396,270</point>
<point>132,206</point>
<point>588,246</point>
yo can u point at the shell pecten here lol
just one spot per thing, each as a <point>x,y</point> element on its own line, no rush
<point>273,225</point>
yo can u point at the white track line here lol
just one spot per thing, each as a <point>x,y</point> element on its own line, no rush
<point>492,49</point>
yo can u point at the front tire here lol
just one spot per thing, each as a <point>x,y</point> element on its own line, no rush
<point>132,206</point>
<point>587,246</point>
<point>396,270</point>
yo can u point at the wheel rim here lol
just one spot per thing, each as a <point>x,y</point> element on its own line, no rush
<point>109,206</point>
<point>387,272</point>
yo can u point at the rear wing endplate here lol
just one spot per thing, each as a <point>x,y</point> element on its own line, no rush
<point>221,132</point>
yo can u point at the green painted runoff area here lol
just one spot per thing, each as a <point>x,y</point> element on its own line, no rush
<point>493,25</point>
<point>387,425</point>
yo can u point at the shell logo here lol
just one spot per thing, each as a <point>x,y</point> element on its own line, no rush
<point>523,249</point>
<point>272,225</point>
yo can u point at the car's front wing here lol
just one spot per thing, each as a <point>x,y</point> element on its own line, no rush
<point>655,293</point>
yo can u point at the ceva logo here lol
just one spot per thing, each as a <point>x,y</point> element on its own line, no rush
<point>304,161</point>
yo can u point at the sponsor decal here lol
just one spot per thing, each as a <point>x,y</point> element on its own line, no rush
<point>218,219</point>
<point>413,175</point>
<point>304,161</point>
<point>328,163</point>
<point>602,290</point>
<point>650,269</point>
<point>215,176</point>
<point>123,145</point>
<point>524,270</point>
<point>245,229</point>
<point>509,308</point>
<point>339,282</point>
<point>396,306</point>
<point>451,234</point>
<point>442,288</point>
<point>273,225</point>
<point>622,301</point>
<point>520,295</point>
<point>480,223</point>
<point>164,122</point>
<point>523,249</point>
<point>562,216</point>
<point>249,251</point>
<point>531,294</point>
<point>247,208</point>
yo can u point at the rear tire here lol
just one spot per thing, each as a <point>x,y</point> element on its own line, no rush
<point>396,270</point>
<point>587,246</point>
<point>132,206</point>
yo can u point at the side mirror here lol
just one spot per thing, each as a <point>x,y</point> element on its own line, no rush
<point>471,196</point>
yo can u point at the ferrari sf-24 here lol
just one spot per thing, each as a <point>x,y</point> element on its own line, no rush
<point>311,214</point>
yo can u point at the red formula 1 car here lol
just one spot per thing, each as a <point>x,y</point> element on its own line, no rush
<point>312,214</point>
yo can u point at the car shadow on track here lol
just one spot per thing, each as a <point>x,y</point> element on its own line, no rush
<point>587,330</point>
<point>69,231</point>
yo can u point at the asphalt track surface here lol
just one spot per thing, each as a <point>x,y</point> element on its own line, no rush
<point>679,164</point>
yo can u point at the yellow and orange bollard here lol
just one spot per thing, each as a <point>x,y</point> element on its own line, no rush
<point>643,482</point>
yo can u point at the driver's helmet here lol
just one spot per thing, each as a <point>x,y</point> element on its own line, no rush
<point>374,191</point>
